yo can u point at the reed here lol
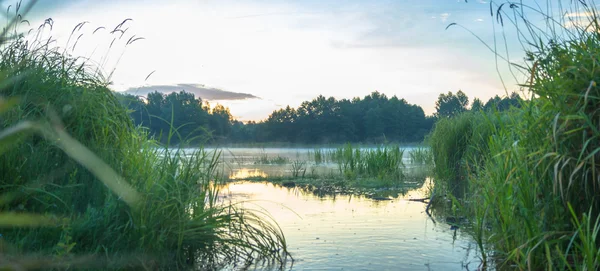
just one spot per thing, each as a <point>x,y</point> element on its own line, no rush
<point>530,175</point>
<point>379,163</point>
<point>81,186</point>
<point>318,156</point>
<point>421,156</point>
<point>265,159</point>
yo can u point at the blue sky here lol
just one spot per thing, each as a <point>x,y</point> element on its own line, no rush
<point>286,52</point>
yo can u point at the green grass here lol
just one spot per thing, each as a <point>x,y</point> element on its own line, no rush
<point>318,156</point>
<point>382,163</point>
<point>528,178</point>
<point>80,186</point>
<point>421,156</point>
<point>264,159</point>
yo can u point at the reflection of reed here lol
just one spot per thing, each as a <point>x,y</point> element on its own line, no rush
<point>245,173</point>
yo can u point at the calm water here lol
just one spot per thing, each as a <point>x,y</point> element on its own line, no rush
<point>356,233</point>
<point>343,232</point>
<point>240,163</point>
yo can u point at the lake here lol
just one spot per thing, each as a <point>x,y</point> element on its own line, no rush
<point>347,232</point>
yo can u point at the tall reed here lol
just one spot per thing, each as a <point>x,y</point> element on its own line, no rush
<point>531,174</point>
<point>421,156</point>
<point>77,179</point>
<point>380,163</point>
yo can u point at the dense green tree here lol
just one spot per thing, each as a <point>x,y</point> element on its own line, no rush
<point>501,104</point>
<point>450,105</point>
<point>178,116</point>
<point>477,105</point>
<point>221,121</point>
<point>375,118</point>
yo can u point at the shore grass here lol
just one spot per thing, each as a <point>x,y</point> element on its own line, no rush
<point>80,186</point>
<point>529,177</point>
<point>421,156</point>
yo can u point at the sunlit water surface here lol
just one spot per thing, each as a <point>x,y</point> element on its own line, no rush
<point>342,232</point>
<point>239,163</point>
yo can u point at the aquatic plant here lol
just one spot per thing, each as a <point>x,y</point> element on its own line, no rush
<point>298,169</point>
<point>421,156</point>
<point>531,174</point>
<point>80,186</point>
<point>380,163</point>
<point>318,156</point>
<point>265,159</point>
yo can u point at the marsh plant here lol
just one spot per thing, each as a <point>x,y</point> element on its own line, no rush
<point>318,156</point>
<point>82,187</point>
<point>379,163</point>
<point>298,169</point>
<point>265,159</point>
<point>422,156</point>
<point>531,174</point>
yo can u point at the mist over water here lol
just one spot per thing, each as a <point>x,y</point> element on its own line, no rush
<point>332,231</point>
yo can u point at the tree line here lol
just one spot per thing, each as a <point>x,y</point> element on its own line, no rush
<point>178,116</point>
<point>449,105</point>
<point>375,118</point>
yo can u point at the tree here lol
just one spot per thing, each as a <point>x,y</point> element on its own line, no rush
<point>321,120</point>
<point>450,105</point>
<point>477,105</point>
<point>501,104</point>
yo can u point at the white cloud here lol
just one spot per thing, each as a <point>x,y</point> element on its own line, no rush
<point>444,16</point>
<point>201,91</point>
<point>283,52</point>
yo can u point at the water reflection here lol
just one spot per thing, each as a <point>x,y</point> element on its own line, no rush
<point>247,173</point>
<point>356,232</point>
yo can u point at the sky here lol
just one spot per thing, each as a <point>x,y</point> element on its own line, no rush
<point>264,55</point>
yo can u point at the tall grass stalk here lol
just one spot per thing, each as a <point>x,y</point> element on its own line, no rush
<point>380,163</point>
<point>531,175</point>
<point>421,156</point>
<point>85,182</point>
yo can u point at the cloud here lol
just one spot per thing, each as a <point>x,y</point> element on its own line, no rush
<point>206,93</point>
<point>580,21</point>
<point>444,16</point>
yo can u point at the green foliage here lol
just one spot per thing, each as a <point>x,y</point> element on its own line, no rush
<point>421,156</point>
<point>318,156</point>
<point>192,120</point>
<point>264,159</point>
<point>375,118</point>
<point>382,163</point>
<point>477,105</point>
<point>501,104</point>
<point>453,139</point>
<point>449,105</point>
<point>78,179</point>
<point>531,173</point>
<point>322,120</point>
